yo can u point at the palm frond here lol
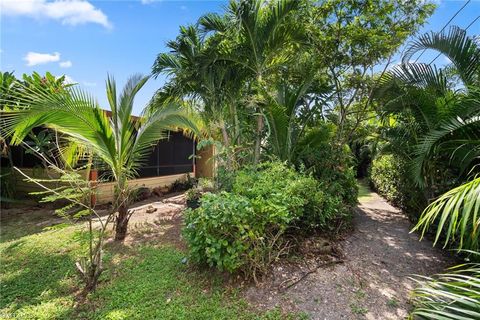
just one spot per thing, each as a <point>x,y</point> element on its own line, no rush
<point>460,48</point>
<point>450,296</point>
<point>74,113</point>
<point>456,214</point>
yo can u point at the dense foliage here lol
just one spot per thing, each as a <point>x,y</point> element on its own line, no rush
<point>286,89</point>
<point>389,177</point>
<point>330,163</point>
<point>263,73</point>
<point>432,119</point>
<point>247,229</point>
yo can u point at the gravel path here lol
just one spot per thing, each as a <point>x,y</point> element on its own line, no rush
<point>373,282</point>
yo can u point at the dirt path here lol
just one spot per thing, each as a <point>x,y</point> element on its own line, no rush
<point>373,282</point>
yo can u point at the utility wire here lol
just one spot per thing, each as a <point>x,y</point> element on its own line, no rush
<point>453,17</point>
<point>471,23</point>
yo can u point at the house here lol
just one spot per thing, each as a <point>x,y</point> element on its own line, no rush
<point>172,159</point>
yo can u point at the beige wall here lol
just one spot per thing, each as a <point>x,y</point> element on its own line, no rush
<point>105,190</point>
<point>23,187</point>
<point>205,163</point>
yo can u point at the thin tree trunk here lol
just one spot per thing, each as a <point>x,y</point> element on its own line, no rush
<point>226,140</point>
<point>258,139</point>
<point>121,223</point>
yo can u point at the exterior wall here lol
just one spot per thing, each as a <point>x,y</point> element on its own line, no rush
<point>23,188</point>
<point>105,190</point>
<point>205,163</point>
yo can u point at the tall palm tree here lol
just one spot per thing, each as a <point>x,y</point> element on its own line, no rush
<point>259,41</point>
<point>119,141</point>
<point>196,75</point>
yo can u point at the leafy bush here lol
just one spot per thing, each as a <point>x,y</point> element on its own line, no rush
<point>332,165</point>
<point>274,182</point>
<point>386,174</point>
<point>389,177</point>
<point>246,229</point>
<point>219,232</point>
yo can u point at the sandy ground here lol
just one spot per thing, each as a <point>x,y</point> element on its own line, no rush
<point>372,282</point>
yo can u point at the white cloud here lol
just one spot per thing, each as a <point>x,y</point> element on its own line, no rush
<point>65,64</point>
<point>89,84</point>
<point>35,58</point>
<point>70,12</point>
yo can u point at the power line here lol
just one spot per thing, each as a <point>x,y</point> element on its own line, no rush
<point>448,22</point>
<point>471,23</point>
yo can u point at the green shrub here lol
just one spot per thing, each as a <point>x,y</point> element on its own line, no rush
<point>231,232</point>
<point>245,230</point>
<point>220,231</point>
<point>332,166</point>
<point>311,200</point>
<point>390,178</point>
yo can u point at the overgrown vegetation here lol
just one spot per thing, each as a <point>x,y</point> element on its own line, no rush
<point>249,227</point>
<point>435,127</point>
<point>390,177</point>
<point>296,97</point>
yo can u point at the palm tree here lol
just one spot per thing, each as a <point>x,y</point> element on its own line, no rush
<point>197,76</point>
<point>120,142</point>
<point>446,120</point>
<point>437,116</point>
<point>285,126</point>
<point>259,40</point>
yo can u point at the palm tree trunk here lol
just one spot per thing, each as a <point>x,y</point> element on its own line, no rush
<point>121,223</point>
<point>121,203</point>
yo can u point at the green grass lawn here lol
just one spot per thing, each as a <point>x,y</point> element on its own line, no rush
<point>38,281</point>
<point>364,192</point>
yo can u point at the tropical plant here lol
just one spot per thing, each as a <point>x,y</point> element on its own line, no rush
<point>434,115</point>
<point>450,296</point>
<point>8,84</point>
<point>258,40</point>
<point>209,85</point>
<point>455,294</point>
<point>456,215</point>
<point>440,118</point>
<point>285,127</point>
<point>120,142</point>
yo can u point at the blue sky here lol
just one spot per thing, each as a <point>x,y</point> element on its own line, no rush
<point>87,40</point>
